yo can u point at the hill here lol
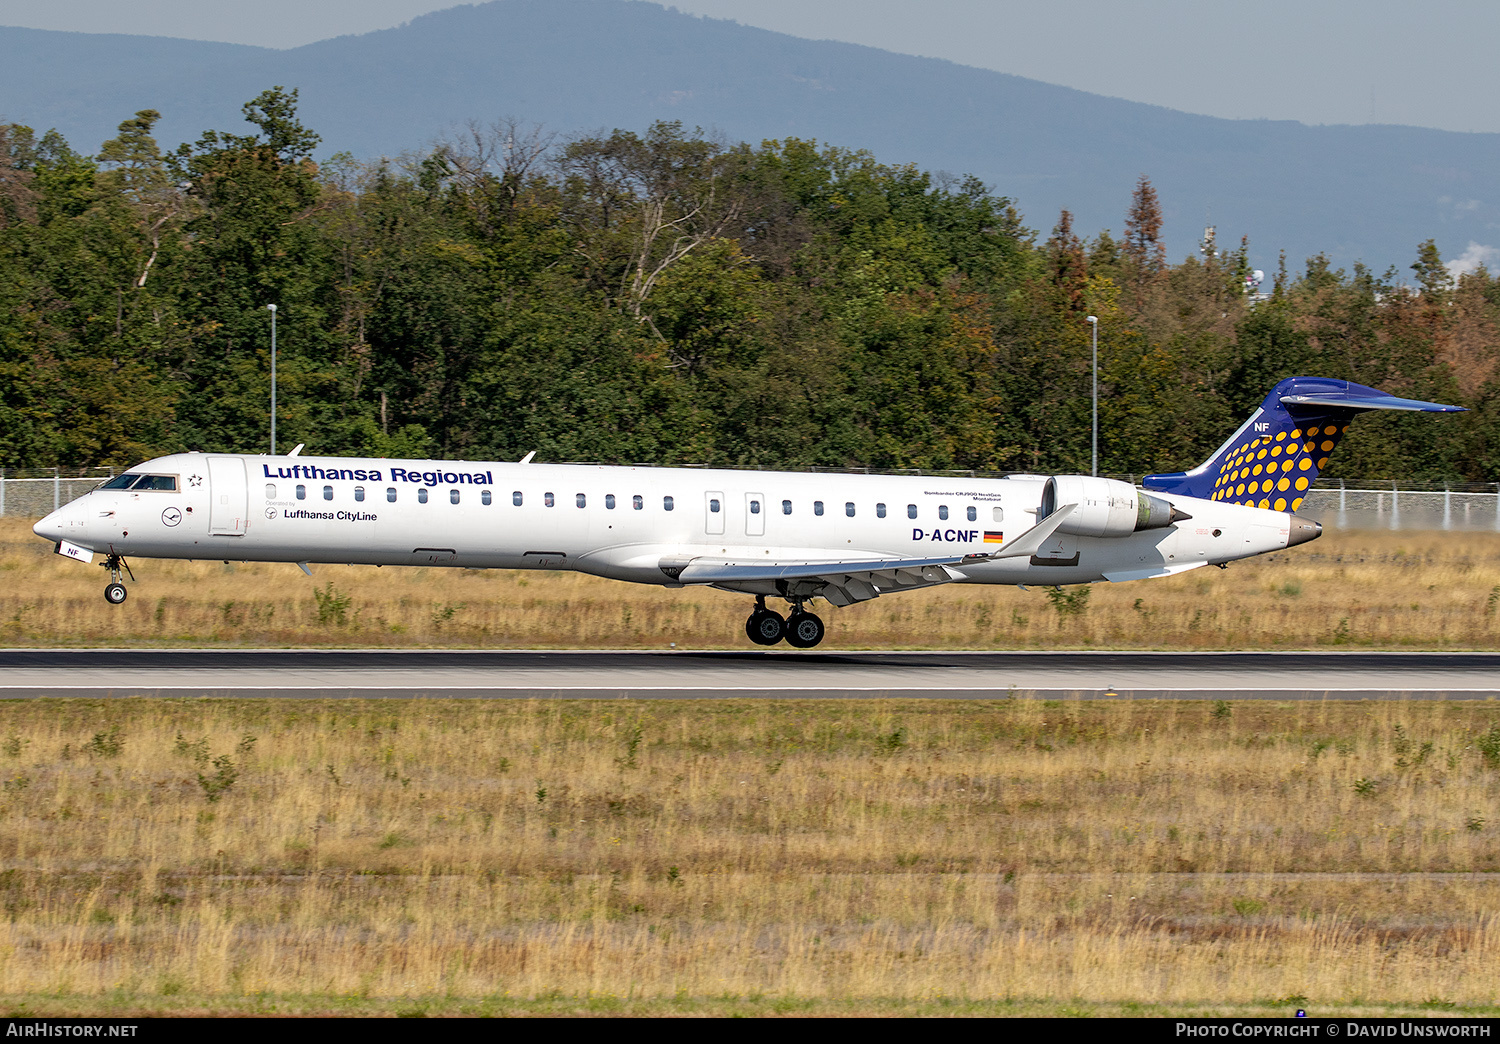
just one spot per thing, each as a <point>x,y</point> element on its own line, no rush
<point>1368,193</point>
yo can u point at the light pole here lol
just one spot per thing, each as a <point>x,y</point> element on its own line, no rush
<point>272,309</point>
<point>1093,321</point>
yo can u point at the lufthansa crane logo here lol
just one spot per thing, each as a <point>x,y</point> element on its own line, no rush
<point>270,512</point>
<point>171,517</point>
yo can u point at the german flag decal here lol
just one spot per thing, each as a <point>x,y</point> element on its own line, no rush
<point>992,537</point>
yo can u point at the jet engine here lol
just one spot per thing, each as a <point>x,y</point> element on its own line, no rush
<point>1106,507</point>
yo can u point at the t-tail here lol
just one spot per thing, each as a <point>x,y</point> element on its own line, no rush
<point>1275,456</point>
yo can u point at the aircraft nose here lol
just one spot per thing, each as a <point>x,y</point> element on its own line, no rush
<point>49,528</point>
<point>68,522</point>
<point>1302,530</point>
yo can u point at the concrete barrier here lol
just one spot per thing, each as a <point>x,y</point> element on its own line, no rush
<point>34,492</point>
<point>1395,508</point>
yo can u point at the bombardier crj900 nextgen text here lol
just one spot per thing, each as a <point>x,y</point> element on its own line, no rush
<point>788,535</point>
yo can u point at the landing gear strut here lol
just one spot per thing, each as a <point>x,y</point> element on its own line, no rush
<point>114,592</point>
<point>802,630</point>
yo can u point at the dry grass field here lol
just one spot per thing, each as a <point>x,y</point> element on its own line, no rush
<point>1369,589</point>
<point>774,857</point>
<point>735,857</point>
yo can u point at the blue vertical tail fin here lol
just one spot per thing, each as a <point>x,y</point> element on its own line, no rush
<point>1273,458</point>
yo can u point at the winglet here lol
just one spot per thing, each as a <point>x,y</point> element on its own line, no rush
<point>527,459</point>
<point>1031,541</point>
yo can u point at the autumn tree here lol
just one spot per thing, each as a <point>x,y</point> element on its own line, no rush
<point>1145,253</point>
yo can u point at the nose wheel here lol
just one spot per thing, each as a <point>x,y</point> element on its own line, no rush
<point>801,630</point>
<point>114,591</point>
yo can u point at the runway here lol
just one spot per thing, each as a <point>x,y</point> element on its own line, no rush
<point>116,673</point>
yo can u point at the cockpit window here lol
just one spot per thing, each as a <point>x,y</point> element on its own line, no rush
<point>138,482</point>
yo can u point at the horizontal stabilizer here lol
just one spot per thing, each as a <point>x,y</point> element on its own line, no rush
<point>1361,400</point>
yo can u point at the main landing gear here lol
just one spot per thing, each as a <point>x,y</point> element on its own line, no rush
<point>801,630</point>
<point>114,592</point>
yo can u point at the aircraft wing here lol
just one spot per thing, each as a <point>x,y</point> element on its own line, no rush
<point>844,582</point>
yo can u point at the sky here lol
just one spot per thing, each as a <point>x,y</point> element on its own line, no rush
<point>1317,61</point>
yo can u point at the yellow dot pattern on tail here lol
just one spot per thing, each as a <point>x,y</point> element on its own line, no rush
<point>1275,470</point>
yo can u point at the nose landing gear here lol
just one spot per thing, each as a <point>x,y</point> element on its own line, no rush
<point>802,630</point>
<point>114,591</point>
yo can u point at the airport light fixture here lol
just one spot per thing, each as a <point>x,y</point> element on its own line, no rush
<point>1093,321</point>
<point>272,309</point>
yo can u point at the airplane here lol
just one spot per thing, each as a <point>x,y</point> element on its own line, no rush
<point>844,538</point>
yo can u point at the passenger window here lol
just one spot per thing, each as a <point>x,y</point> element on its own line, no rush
<point>609,502</point>
<point>453,496</point>
<point>849,509</point>
<point>817,507</point>
<point>786,507</point>
<point>880,511</point>
<point>911,511</point>
<point>484,497</point>
<point>270,490</point>
<point>421,496</point>
<point>359,494</point>
<point>301,492</point>
<point>666,503</point>
<point>548,500</point>
<point>754,507</point>
<point>390,494</point>
<point>636,502</point>
<point>943,511</point>
<point>327,492</point>
<point>582,501</point>
<point>713,505</point>
<point>998,513</point>
<point>973,513</point>
<point>515,498</point>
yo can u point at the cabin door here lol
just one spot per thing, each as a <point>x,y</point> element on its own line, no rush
<point>713,512</point>
<point>228,497</point>
<point>755,514</point>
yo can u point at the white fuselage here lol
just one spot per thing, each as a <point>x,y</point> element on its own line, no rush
<point>621,522</point>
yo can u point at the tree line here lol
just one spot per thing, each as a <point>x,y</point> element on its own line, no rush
<point>670,298</point>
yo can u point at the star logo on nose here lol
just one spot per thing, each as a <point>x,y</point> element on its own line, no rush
<point>195,480</point>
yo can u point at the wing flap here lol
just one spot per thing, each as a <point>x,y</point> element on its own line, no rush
<point>894,571</point>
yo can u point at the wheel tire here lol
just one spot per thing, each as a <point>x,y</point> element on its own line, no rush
<point>765,627</point>
<point>804,630</point>
<point>114,594</point>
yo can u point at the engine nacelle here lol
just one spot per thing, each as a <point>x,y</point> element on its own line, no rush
<point>1106,507</point>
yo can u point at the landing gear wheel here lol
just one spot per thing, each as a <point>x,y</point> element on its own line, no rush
<point>804,630</point>
<point>114,594</point>
<point>765,627</point>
